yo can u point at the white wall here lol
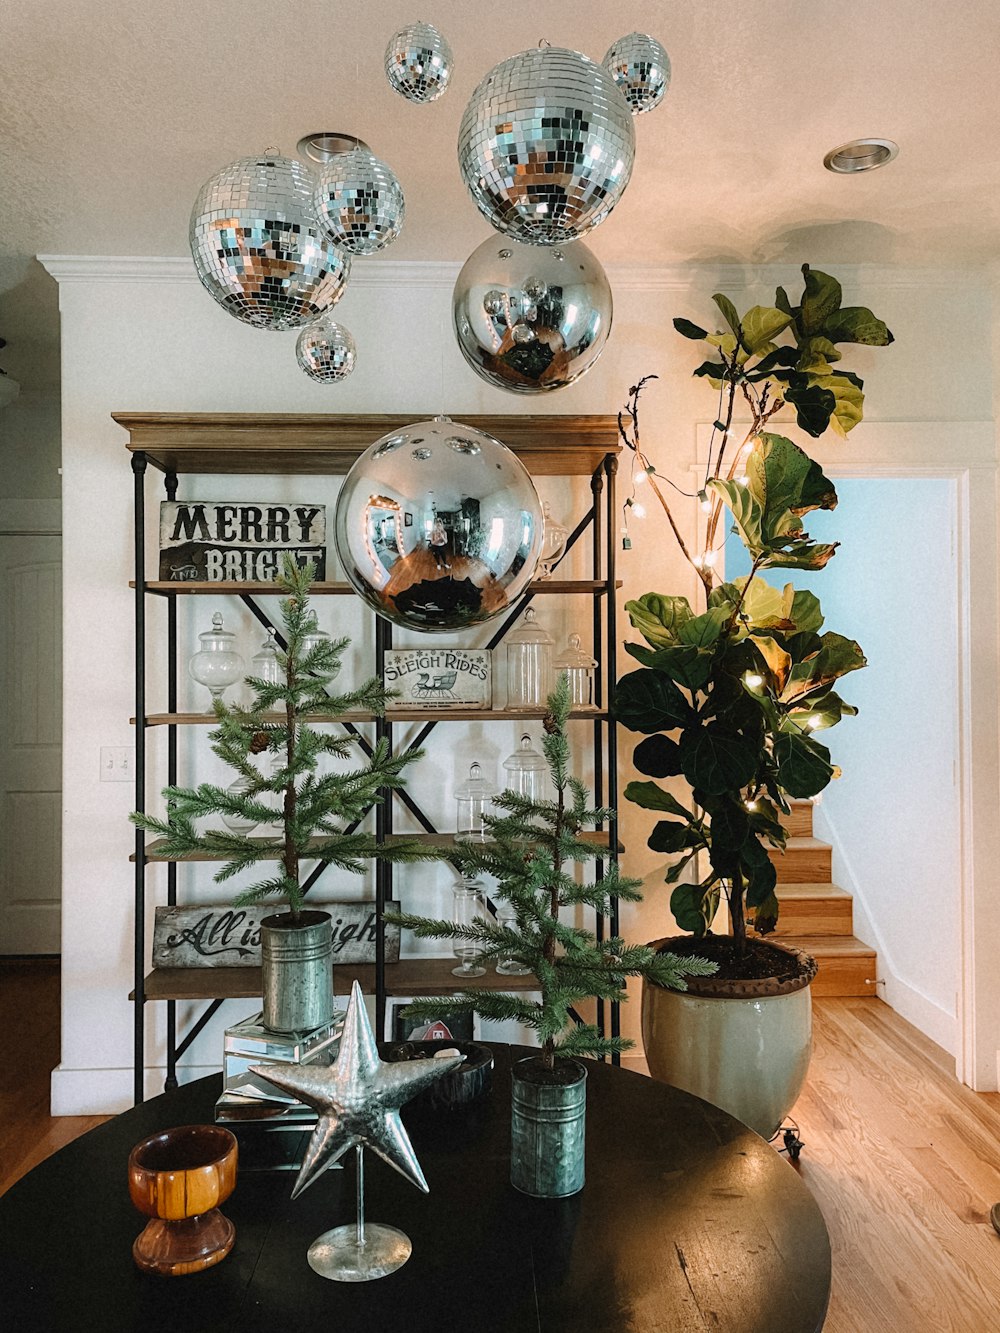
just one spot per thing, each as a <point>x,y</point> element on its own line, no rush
<point>141,335</point>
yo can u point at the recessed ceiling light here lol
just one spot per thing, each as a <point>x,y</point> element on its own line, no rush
<point>327,144</point>
<point>860,155</point>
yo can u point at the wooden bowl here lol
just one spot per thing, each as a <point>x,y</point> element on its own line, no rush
<point>178,1179</point>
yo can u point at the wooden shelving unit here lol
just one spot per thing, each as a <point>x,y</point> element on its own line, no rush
<point>180,444</point>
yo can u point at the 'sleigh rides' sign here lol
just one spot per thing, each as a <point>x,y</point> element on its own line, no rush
<point>236,542</point>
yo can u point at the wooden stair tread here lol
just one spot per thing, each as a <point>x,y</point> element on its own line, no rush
<point>799,843</point>
<point>790,892</point>
<point>830,946</point>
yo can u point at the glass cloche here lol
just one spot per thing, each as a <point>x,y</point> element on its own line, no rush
<point>217,664</point>
<point>579,667</point>
<point>473,797</point>
<point>529,664</point>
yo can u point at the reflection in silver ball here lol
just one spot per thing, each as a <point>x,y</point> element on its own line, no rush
<point>546,146</point>
<point>438,526</point>
<point>359,202</point>
<point>418,63</point>
<point>641,68</point>
<point>326,351</point>
<point>530,319</point>
<point>258,248</point>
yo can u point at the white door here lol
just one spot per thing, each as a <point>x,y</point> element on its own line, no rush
<point>30,743</point>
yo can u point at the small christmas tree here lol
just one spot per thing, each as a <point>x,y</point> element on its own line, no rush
<point>533,876</point>
<point>316,810</point>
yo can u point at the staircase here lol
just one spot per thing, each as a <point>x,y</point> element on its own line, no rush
<point>817,916</point>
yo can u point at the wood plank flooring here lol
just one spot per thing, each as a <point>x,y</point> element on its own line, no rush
<point>904,1161</point>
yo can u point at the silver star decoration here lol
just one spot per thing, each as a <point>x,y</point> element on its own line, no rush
<point>358,1099</point>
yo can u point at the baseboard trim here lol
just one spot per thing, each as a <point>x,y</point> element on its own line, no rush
<point>109,1091</point>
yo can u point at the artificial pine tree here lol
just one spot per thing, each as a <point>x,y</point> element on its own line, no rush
<point>530,851</point>
<point>317,812</point>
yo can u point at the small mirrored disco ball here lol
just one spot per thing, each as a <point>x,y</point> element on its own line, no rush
<point>359,202</point>
<point>641,68</point>
<point>418,63</point>
<point>258,248</point>
<point>546,146</point>
<point>326,351</point>
<point>438,526</point>
<point>528,318</point>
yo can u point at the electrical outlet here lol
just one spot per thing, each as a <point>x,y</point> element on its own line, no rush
<point>117,763</point>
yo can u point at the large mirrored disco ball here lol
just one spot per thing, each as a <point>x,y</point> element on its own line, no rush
<point>546,146</point>
<point>359,202</point>
<point>258,248</point>
<point>418,62</point>
<point>529,318</point>
<point>640,67</point>
<point>326,351</point>
<point>438,526</point>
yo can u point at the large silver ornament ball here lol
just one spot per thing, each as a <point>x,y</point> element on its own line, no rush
<point>531,319</point>
<point>641,68</point>
<point>418,62</point>
<point>546,146</point>
<point>326,351</point>
<point>359,203</point>
<point>438,526</point>
<point>258,248</point>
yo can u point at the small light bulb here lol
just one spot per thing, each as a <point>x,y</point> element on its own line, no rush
<point>641,477</point>
<point>697,561</point>
<point>814,721</point>
<point>705,502</point>
<point>750,805</point>
<point>753,681</point>
<point>638,509</point>
<point>709,559</point>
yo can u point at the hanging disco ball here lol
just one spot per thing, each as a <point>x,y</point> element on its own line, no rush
<point>359,202</point>
<point>257,246</point>
<point>418,63</point>
<point>326,351</point>
<point>640,67</point>
<point>530,318</point>
<point>546,146</point>
<point>438,526</point>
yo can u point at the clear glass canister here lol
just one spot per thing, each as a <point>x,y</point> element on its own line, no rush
<point>217,664</point>
<point>529,664</point>
<point>236,822</point>
<point>468,903</point>
<point>473,798</point>
<point>265,665</point>
<point>580,668</point>
<point>527,770</point>
<point>554,537</point>
<point>313,639</point>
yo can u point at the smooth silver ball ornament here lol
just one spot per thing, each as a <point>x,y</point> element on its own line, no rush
<point>531,319</point>
<point>546,146</point>
<point>418,63</point>
<point>359,203</point>
<point>257,246</point>
<point>326,351</point>
<point>438,526</point>
<point>641,68</point>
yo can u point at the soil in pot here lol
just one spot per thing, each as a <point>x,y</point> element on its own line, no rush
<point>562,1074</point>
<point>761,959</point>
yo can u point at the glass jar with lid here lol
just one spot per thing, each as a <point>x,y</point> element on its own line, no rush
<point>579,667</point>
<point>473,797</point>
<point>527,771</point>
<point>217,664</point>
<point>265,665</point>
<point>529,665</point>
<point>312,640</point>
<point>468,904</point>
<point>554,538</point>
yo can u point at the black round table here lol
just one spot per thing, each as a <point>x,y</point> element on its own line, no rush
<point>688,1223</point>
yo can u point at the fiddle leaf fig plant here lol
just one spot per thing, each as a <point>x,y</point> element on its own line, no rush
<point>731,699</point>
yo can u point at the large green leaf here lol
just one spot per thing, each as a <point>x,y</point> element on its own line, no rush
<point>648,701</point>
<point>820,300</point>
<point>702,631</point>
<point>763,605</point>
<point>729,312</point>
<point>835,657</point>
<point>805,554</point>
<point>781,476</point>
<point>689,330</point>
<point>855,324</point>
<point>694,907</point>
<point>803,765</point>
<point>815,352</point>
<point>745,511</point>
<point>849,402</point>
<point>669,835</point>
<point>730,825</point>
<point>761,880</point>
<point>685,663</point>
<point>821,712</point>
<point>658,756</point>
<point>814,405</point>
<point>761,324</point>
<point>806,613</point>
<point>717,759</point>
<point>765,916</point>
<point>658,618</point>
<point>652,797</point>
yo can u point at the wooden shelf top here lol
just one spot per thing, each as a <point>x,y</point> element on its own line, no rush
<point>410,976</point>
<point>198,588</point>
<point>295,443</point>
<point>445,841</point>
<point>392,715</point>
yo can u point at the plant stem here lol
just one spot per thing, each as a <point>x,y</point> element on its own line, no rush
<point>291,857</point>
<point>549,948</point>
<point>737,913</point>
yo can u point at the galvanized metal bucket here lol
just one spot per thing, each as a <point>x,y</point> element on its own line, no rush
<point>548,1122</point>
<point>297,966</point>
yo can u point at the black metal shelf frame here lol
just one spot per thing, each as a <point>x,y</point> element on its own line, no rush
<point>599,522</point>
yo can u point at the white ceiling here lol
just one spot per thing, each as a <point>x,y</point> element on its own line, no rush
<point>113,114</point>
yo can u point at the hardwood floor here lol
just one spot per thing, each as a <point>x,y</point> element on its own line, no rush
<point>903,1160</point>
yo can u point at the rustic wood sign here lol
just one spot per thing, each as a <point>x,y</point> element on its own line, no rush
<point>221,935</point>
<point>439,677</point>
<point>234,541</point>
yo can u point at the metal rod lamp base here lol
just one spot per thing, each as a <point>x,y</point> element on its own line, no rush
<point>360,1251</point>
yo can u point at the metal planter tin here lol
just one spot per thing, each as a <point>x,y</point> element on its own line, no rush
<point>548,1122</point>
<point>297,967</point>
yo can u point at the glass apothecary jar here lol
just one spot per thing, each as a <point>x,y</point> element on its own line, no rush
<point>235,822</point>
<point>469,902</point>
<point>527,771</point>
<point>529,665</point>
<point>313,639</point>
<point>579,668</point>
<point>217,664</point>
<point>554,538</point>
<point>473,797</point>
<point>508,966</point>
<point>265,665</point>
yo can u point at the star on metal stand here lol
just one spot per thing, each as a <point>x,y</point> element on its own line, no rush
<point>358,1100</point>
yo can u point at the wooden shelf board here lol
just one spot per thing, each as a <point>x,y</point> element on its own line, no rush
<point>200,588</point>
<point>393,715</point>
<point>441,840</point>
<point>410,976</point>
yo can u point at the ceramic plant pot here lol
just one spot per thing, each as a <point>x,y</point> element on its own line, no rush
<point>297,971</point>
<point>548,1120</point>
<point>741,1045</point>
